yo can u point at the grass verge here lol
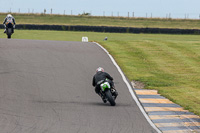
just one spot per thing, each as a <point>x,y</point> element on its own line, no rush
<point>104,21</point>
<point>168,63</point>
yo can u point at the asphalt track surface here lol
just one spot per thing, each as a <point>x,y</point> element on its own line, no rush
<point>46,87</point>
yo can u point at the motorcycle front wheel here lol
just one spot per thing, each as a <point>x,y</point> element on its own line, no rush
<point>9,32</point>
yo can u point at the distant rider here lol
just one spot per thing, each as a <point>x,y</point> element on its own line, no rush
<point>99,76</point>
<point>9,17</point>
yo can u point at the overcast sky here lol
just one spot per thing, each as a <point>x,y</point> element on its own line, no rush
<point>141,8</point>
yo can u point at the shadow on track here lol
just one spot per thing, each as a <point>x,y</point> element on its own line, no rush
<point>83,103</point>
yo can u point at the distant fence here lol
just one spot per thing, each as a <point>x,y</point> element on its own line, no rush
<point>107,29</point>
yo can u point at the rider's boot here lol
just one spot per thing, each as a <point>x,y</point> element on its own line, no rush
<point>114,92</point>
<point>4,31</point>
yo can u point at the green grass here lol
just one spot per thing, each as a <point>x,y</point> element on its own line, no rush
<point>168,63</point>
<point>104,21</point>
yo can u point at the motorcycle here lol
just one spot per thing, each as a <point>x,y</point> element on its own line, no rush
<point>108,93</point>
<point>9,28</point>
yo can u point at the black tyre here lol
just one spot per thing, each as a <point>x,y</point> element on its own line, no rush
<point>110,98</point>
<point>9,32</point>
<point>9,36</point>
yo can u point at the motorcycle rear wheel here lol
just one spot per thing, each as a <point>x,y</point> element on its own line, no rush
<point>110,98</point>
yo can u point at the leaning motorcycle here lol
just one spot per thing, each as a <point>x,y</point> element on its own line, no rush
<point>9,28</point>
<point>108,92</point>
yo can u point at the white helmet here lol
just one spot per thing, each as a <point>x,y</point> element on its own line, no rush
<point>9,15</point>
<point>99,69</point>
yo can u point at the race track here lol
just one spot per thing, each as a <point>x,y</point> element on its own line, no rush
<point>46,87</point>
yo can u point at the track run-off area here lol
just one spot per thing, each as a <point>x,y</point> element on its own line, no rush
<point>46,87</point>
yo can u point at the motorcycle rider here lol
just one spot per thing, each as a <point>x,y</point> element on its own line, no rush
<point>101,76</point>
<point>9,16</point>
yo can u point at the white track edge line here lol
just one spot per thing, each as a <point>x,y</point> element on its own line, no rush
<point>130,89</point>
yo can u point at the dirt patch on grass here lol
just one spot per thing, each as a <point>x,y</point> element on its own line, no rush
<point>138,84</point>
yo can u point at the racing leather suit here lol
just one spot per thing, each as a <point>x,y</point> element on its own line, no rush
<point>5,20</point>
<point>101,76</point>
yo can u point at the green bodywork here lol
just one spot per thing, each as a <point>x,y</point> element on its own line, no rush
<point>105,85</point>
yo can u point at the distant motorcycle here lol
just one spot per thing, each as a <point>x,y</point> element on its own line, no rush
<point>9,28</point>
<point>108,92</point>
